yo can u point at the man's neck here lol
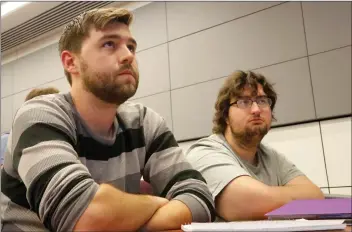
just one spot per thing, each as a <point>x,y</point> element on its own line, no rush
<point>246,151</point>
<point>98,115</point>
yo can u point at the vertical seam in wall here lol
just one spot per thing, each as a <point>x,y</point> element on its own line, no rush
<point>168,61</point>
<point>13,90</point>
<point>14,111</point>
<point>0,102</point>
<point>310,73</point>
<point>322,143</point>
<point>312,90</point>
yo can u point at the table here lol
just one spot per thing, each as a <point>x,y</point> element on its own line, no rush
<point>347,229</point>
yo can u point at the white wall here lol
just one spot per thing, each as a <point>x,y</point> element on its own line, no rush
<point>186,49</point>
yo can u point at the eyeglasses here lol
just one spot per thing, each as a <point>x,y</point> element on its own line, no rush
<point>245,103</point>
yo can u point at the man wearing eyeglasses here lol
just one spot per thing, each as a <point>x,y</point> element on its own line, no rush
<point>247,179</point>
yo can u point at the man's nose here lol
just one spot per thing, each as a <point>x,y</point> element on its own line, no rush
<point>126,56</point>
<point>255,108</point>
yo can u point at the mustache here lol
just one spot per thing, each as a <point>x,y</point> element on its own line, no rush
<point>256,117</point>
<point>127,67</point>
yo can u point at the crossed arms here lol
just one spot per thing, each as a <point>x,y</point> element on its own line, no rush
<point>62,192</point>
<point>246,198</point>
<point>239,196</point>
<point>114,210</point>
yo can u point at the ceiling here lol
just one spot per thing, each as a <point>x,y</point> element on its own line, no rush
<point>38,18</point>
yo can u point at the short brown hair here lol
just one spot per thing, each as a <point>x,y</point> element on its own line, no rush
<point>78,29</point>
<point>232,88</point>
<point>41,91</point>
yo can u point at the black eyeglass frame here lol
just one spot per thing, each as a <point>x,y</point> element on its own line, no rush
<point>270,102</point>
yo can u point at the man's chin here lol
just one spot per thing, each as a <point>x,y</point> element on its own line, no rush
<point>259,130</point>
<point>131,91</point>
<point>115,98</point>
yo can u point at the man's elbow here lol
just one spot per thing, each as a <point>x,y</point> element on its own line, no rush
<point>318,194</point>
<point>240,215</point>
<point>312,192</point>
<point>230,210</point>
<point>91,220</point>
<point>226,214</point>
<point>246,209</point>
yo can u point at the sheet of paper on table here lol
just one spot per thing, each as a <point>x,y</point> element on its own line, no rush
<point>268,225</point>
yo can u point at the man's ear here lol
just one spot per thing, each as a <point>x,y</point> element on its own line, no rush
<point>227,120</point>
<point>227,112</point>
<point>68,60</point>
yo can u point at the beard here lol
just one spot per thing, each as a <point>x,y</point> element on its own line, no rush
<point>106,86</point>
<point>251,135</point>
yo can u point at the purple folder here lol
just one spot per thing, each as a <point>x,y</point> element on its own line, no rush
<point>314,209</point>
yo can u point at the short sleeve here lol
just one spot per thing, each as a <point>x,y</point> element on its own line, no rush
<point>217,165</point>
<point>287,169</point>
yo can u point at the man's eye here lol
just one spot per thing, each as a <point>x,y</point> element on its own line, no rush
<point>263,101</point>
<point>244,102</point>
<point>109,44</point>
<point>132,48</point>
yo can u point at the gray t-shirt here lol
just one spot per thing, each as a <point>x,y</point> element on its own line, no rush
<point>219,165</point>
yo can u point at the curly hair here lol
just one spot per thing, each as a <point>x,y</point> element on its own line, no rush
<point>78,29</point>
<point>232,88</point>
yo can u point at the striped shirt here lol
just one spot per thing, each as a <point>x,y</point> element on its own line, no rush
<point>4,138</point>
<point>54,164</point>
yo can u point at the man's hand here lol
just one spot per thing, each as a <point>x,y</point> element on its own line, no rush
<point>126,212</point>
<point>170,217</point>
<point>160,201</point>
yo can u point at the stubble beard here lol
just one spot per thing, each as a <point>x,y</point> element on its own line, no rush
<point>105,86</point>
<point>250,136</point>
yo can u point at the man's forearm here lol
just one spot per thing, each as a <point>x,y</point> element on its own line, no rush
<point>273,198</point>
<point>300,191</point>
<point>114,210</point>
<point>170,217</point>
<point>246,198</point>
<point>252,205</point>
<point>276,197</point>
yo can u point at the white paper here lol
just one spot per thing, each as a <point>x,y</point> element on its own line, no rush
<point>270,225</point>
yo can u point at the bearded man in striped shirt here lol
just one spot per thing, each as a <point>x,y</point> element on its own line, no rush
<point>75,160</point>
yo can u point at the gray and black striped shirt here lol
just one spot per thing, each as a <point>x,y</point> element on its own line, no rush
<point>54,164</point>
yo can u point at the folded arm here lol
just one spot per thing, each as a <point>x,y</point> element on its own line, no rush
<point>190,199</point>
<point>248,199</point>
<point>170,217</point>
<point>237,195</point>
<point>60,189</point>
<point>301,188</point>
<point>174,178</point>
<point>114,210</point>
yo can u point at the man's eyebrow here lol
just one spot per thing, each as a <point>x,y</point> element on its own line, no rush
<point>114,36</point>
<point>250,96</point>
